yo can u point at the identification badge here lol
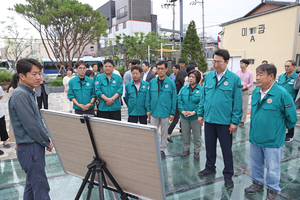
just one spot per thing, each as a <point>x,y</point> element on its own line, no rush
<point>166,86</point>
<point>87,84</point>
<point>114,81</point>
<point>143,86</point>
<point>226,83</point>
<point>97,82</point>
<point>197,92</point>
<point>269,101</point>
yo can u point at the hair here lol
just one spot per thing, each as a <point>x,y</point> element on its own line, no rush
<point>246,61</point>
<point>135,62</point>
<point>94,64</point>
<point>109,61</point>
<point>265,61</point>
<point>78,63</point>
<point>190,68</point>
<point>146,63</point>
<point>180,76</point>
<point>136,68</point>
<point>14,81</point>
<point>193,63</point>
<point>162,63</point>
<point>181,61</point>
<point>129,62</point>
<point>152,67</point>
<point>197,75</point>
<point>269,68</point>
<point>70,69</point>
<point>222,52</point>
<point>24,65</point>
<point>176,66</point>
<point>89,73</point>
<point>292,62</point>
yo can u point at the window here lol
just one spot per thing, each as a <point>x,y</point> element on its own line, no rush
<point>117,28</point>
<point>124,25</point>
<point>92,48</point>
<point>109,30</point>
<point>122,12</point>
<point>251,61</point>
<point>253,30</point>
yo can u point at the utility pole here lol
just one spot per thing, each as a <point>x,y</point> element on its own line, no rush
<point>171,3</point>
<point>203,34</point>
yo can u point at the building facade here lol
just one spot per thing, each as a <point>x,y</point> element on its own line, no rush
<point>268,32</point>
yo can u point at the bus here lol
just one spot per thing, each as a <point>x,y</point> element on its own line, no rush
<point>50,69</point>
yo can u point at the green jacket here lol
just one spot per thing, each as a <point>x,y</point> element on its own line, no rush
<point>109,88</point>
<point>271,116</point>
<point>83,94</point>
<point>189,101</point>
<point>164,103</point>
<point>222,102</point>
<point>288,83</point>
<point>136,100</point>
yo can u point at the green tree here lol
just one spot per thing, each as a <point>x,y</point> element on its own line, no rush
<point>66,27</point>
<point>191,48</point>
<point>17,41</point>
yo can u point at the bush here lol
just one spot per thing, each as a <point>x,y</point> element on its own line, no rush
<point>55,82</point>
<point>121,69</point>
<point>5,76</point>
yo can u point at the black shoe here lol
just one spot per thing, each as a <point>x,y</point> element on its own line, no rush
<point>287,139</point>
<point>206,172</point>
<point>196,156</point>
<point>170,139</point>
<point>1,152</point>
<point>185,153</point>
<point>163,155</point>
<point>271,194</point>
<point>255,187</point>
<point>228,182</point>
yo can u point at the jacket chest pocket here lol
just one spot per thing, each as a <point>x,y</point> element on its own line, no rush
<point>88,90</point>
<point>195,98</point>
<point>227,92</point>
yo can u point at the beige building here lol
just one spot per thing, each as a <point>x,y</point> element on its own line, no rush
<point>268,32</point>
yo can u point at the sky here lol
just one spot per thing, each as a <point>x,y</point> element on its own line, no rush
<point>215,13</point>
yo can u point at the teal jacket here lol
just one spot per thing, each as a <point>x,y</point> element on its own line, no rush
<point>288,83</point>
<point>271,116</point>
<point>222,102</point>
<point>83,94</point>
<point>95,75</point>
<point>164,103</point>
<point>109,88</point>
<point>136,100</point>
<point>189,101</point>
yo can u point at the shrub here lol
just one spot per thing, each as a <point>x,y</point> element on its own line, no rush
<point>5,76</point>
<point>55,82</point>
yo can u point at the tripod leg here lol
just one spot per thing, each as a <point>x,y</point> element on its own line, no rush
<point>86,178</point>
<point>91,185</point>
<point>101,192</point>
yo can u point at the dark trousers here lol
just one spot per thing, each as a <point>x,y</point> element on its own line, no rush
<point>135,119</point>
<point>175,121</point>
<point>86,112</point>
<point>212,132</point>
<point>115,115</point>
<point>3,131</point>
<point>42,99</point>
<point>32,160</point>
<point>290,133</point>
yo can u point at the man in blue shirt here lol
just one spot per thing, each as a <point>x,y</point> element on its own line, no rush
<point>176,68</point>
<point>32,137</point>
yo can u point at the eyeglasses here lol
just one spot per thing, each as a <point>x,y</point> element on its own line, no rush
<point>81,68</point>
<point>160,68</point>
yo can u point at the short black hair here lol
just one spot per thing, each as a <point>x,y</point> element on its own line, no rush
<point>136,67</point>
<point>24,65</point>
<point>135,62</point>
<point>146,63</point>
<point>70,69</point>
<point>162,63</point>
<point>79,62</point>
<point>94,64</point>
<point>109,61</point>
<point>222,52</point>
<point>181,61</point>
<point>269,68</point>
<point>190,68</point>
<point>89,73</point>
<point>176,66</point>
<point>193,63</point>
<point>197,75</point>
<point>246,61</point>
<point>264,61</point>
<point>292,62</point>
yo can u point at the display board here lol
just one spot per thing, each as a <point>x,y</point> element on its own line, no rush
<point>131,151</point>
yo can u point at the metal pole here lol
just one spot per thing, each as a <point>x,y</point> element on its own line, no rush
<point>161,51</point>
<point>173,42</point>
<point>203,29</point>
<point>149,54</point>
<point>181,23</point>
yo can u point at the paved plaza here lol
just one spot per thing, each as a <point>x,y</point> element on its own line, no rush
<point>180,175</point>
